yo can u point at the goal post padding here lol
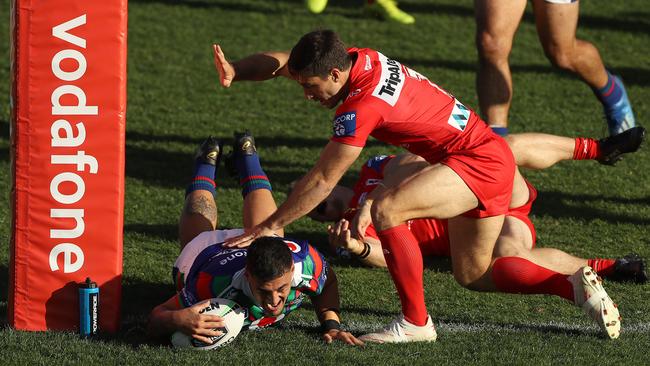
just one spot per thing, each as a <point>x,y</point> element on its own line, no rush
<point>68,106</point>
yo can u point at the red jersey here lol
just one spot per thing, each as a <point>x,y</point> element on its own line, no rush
<point>399,106</point>
<point>431,234</point>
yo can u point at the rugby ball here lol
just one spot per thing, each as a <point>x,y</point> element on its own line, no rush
<point>233,315</point>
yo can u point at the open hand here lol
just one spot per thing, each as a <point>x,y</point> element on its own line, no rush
<point>225,68</point>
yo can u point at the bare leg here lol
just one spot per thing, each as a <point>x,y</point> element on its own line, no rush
<point>258,206</point>
<point>472,244</point>
<point>496,24</point>
<point>539,150</point>
<point>515,240</point>
<point>199,215</point>
<point>556,27</point>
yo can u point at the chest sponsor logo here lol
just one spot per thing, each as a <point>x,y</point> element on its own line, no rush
<point>459,116</point>
<point>391,81</point>
<point>345,124</point>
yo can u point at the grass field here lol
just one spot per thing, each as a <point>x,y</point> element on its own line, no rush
<point>174,102</point>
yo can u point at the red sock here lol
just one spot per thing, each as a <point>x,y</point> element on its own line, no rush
<point>586,149</point>
<point>404,261</point>
<point>518,275</point>
<point>603,266</point>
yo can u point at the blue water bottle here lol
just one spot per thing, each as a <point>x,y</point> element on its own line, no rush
<point>88,308</point>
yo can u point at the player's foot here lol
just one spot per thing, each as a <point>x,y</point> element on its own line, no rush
<point>630,268</point>
<point>316,6</point>
<point>209,152</point>
<point>589,294</point>
<point>400,330</point>
<point>613,147</point>
<point>620,117</point>
<point>388,10</point>
<point>244,144</point>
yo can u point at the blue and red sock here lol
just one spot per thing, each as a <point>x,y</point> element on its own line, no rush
<point>611,93</point>
<point>251,174</point>
<point>203,179</point>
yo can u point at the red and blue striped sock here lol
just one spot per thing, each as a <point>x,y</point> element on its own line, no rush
<point>203,179</point>
<point>611,93</point>
<point>251,174</point>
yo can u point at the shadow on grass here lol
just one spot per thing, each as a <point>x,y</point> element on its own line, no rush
<point>630,75</point>
<point>167,232</point>
<point>577,206</point>
<point>173,169</point>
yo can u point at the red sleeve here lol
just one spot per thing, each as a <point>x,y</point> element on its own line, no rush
<point>353,123</point>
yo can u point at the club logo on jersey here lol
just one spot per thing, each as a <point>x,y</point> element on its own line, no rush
<point>391,81</point>
<point>345,124</point>
<point>294,247</point>
<point>372,182</point>
<point>376,161</point>
<point>459,116</point>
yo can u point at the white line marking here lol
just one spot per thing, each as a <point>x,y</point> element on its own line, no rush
<point>457,327</point>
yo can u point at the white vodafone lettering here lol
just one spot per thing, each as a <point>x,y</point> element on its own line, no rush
<point>64,136</point>
<point>67,249</point>
<point>61,31</point>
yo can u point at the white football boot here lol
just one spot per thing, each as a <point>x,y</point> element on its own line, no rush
<point>400,330</point>
<point>589,293</point>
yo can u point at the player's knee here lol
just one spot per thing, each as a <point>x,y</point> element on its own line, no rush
<point>560,58</point>
<point>492,47</point>
<point>470,279</point>
<point>383,213</point>
<point>507,247</point>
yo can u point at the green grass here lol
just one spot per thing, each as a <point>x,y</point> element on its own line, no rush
<point>174,102</point>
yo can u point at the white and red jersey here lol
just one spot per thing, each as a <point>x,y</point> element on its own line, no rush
<point>399,106</point>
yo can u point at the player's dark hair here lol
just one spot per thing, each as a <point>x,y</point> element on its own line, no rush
<point>317,52</point>
<point>268,258</point>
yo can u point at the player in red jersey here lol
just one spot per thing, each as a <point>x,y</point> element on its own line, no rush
<point>469,180</point>
<point>518,233</point>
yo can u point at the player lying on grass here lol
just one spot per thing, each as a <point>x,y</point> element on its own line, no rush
<point>270,279</point>
<point>516,267</point>
<point>535,151</point>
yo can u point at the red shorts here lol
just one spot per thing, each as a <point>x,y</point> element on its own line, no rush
<point>522,212</point>
<point>488,170</point>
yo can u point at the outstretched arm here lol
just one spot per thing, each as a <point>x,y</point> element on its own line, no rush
<point>327,305</point>
<point>367,251</point>
<point>257,67</point>
<point>311,190</point>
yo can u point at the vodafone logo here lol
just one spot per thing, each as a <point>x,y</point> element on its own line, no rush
<point>293,247</point>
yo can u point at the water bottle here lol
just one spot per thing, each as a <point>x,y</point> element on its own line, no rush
<point>88,308</point>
